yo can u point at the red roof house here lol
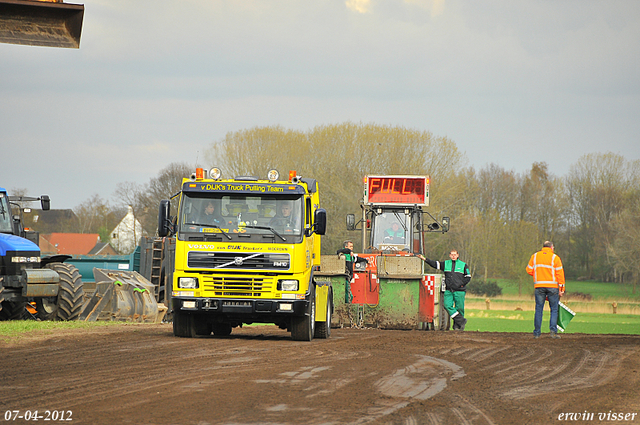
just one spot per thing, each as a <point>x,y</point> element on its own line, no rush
<point>70,243</point>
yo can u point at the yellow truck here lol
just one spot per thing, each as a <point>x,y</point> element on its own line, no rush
<point>246,250</point>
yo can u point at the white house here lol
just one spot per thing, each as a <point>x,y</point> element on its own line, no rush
<point>125,237</point>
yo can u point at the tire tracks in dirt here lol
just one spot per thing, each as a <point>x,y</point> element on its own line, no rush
<point>258,375</point>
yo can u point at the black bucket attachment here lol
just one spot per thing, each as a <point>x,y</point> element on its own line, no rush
<point>41,23</point>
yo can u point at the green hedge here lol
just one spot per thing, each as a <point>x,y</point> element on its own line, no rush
<point>485,288</point>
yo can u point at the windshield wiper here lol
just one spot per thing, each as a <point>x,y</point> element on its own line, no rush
<point>215,226</point>
<point>401,221</point>
<point>268,228</point>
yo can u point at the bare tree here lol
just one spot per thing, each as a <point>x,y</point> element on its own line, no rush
<point>339,156</point>
<point>598,186</point>
<point>95,215</point>
<point>625,250</point>
<point>167,183</point>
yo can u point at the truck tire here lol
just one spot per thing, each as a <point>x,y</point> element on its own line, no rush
<point>303,328</point>
<point>13,310</point>
<point>70,300</point>
<point>222,329</point>
<point>202,327</point>
<point>183,324</point>
<point>323,329</point>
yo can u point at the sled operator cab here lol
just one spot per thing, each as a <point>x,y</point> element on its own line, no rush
<point>393,214</point>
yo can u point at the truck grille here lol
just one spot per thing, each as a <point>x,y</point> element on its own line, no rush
<point>237,286</point>
<point>237,260</point>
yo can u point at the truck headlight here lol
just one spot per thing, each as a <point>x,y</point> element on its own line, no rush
<point>288,285</point>
<point>187,283</point>
<point>188,304</point>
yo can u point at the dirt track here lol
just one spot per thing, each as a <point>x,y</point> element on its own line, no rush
<point>142,374</point>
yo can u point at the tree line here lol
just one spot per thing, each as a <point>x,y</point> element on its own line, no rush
<point>498,217</point>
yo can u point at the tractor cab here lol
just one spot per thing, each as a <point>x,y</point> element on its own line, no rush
<point>393,215</point>
<point>391,289</point>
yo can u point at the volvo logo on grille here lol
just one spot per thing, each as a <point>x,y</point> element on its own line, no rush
<point>238,261</point>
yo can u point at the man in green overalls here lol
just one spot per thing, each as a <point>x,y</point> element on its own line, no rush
<point>456,278</point>
<point>350,258</point>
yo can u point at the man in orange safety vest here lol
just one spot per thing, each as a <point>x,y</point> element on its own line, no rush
<point>548,280</point>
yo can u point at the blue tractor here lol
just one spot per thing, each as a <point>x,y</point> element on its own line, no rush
<point>54,287</point>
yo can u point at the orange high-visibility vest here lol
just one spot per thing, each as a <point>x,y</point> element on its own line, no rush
<point>546,269</point>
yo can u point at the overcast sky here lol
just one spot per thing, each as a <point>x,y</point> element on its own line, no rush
<point>154,82</point>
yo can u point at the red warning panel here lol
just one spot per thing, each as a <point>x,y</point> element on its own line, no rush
<point>409,190</point>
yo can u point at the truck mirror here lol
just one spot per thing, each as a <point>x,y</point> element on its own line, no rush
<point>351,222</point>
<point>320,221</point>
<point>45,202</point>
<point>445,224</point>
<point>164,225</point>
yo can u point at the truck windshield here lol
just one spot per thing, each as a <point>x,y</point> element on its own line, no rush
<point>391,231</point>
<point>269,216</point>
<point>5,214</point>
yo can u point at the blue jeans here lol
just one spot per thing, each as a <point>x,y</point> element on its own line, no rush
<point>554,298</point>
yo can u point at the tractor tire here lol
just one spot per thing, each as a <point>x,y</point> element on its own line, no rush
<point>222,329</point>
<point>183,324</point>
<point>303,328</point>
<point>46,308</point>
<point>70,300</point>
<point>13,310</point>
<point>445,319</point>
<point>323,329</point>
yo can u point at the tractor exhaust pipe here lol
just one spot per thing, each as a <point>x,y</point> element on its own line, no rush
<point>48,23</point>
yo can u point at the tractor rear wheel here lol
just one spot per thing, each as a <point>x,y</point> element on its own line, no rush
<point>445,319</point>
<point>13,310</point>
<point>68,304</point>
<point>46,308</point>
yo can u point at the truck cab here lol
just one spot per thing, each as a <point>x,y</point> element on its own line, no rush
<point>245,252</point>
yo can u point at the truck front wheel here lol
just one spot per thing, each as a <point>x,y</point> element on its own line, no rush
<point>183,324</point>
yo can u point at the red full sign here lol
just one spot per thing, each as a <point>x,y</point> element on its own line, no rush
<point>398,190</point>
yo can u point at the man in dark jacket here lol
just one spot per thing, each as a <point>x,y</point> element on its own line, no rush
<point>456,278</point>
<point>350,258</point>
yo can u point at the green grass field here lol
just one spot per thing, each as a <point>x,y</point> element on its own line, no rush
<point>600,291</point>
<point>512,312</point>
<point>522,321</point>
<point>15,328</point>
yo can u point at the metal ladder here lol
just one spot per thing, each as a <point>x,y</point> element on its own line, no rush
<point>157,257</point>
